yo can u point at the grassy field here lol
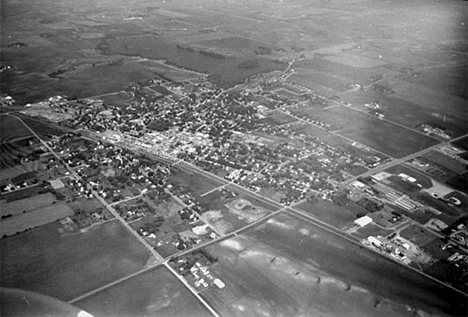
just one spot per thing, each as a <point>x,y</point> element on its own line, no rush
<point>320,276</point>
<point>32,219</point>
<point>10,172</point>
<point>27,204</point>
<point>279,118</point>
<point>408,113</point>
<point>66,265</point>
<point>11,128</point>
<point>331,213</point>
<point>120,99</point>
<point>154,293</point>
<point>10,152</point>
<point>417,235</point>
<point>371,131</point>
<point>420,178</point>
<point>158,48</point>
<point>104,79</point>
<point>306,77</point>
<point>199,184</point>
<point>462,143</point>
<point>446,161</point>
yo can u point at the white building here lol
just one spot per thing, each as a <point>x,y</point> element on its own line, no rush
<point>363,221</point>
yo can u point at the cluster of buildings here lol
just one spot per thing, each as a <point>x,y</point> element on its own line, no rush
<point>217,131</point>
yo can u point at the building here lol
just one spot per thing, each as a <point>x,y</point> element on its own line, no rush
<point>363,221</point>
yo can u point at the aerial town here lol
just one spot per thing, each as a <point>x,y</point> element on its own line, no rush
<point>181,186</point>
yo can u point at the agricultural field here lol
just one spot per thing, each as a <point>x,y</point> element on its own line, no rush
<point>321,83</point>
<point>331,213</point>
<point>407,113</point>
<point>34,218</point>
<point>364,76</point>
<point>170,72</point>
<point>430,98</point>
<point>417,235</point>
<point>370,131</point>
<point>62,262</point>
<point>234,46</point>
<point>224,68</point>
<point>279,118</point>
<point>14,171</point>
<point>199,184</point>
<point>12,152</point>
<point>104,79</point>
<point>462,143</point>
<point>119,99</point>
<point>11,128</point>
<point>265,276</point>
<point>153,293</point>
<point>25,205</point>
<point>439,158</point>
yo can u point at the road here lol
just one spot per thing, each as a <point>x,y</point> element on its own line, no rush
<point>329,131</point>
<point>250,193</point>
<point>190,288</point>
<point>401,160</point>
<point>156,255</point>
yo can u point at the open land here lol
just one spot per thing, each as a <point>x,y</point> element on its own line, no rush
<point>279,158</point>
<point>369,130</point>
<point>154,292</point>
<point>302,278</point>
<point>35,218</point>
<point>11,128</point>
<point>65,264</point>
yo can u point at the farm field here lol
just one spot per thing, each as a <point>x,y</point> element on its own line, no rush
<point>265,276</point>
<point>370,131</point>
<point>331,213</point>
<point>9,172</point>
<point>27,204</point>
<point>65,263</point>
<point>157,48</point>
<point>305,76</point>
<point>407,113</point>
<point>120,99</point>
<point>445,161</point>
<point>11,128</point>
<point>431,99</point>
<point>279,118</point>
<point>169,72</point>
<point>10,152</point>
<point>364,76</point>
<point>104,79</point>
<point>42,129</point>
<point>153,293</point>
<point>199,184</point>
<point>34,218</point>
<point>462,143</point>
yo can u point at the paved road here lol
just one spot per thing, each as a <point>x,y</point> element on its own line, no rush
<point>102,200</point>
<point>190,288</point>
<point>401,160</point>
<point>281,208</point>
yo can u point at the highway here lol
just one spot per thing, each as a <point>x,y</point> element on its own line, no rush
<point>401,160</point>
<point>280,208</point>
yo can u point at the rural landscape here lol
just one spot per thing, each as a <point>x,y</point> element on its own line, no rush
<point>235,158</point>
